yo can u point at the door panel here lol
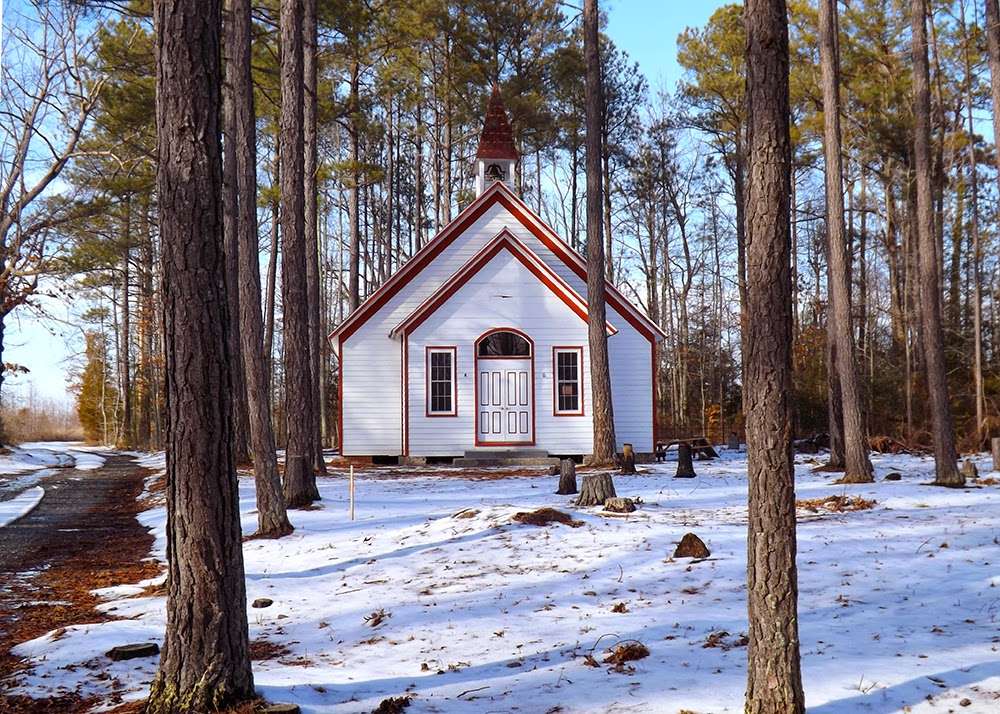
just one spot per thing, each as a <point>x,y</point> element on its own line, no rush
<point>505,401</point>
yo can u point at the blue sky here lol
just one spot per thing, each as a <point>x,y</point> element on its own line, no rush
<point>646,29</point>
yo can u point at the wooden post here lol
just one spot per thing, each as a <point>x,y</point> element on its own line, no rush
<point>628,459</point>
<point>351,491</point>
<point>995,445</point>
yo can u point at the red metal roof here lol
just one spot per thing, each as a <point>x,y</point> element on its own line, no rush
<point>497,139</point>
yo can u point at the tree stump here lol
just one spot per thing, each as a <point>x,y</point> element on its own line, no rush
<point>567,477</point>
<point>969,469</point>
<point>597,488</point>
<point>733,444</point>
<point>628,459</point>
<point>995,445</point>
<point>685,468</point>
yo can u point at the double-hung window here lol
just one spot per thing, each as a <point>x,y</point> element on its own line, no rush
<point>442,395</point>
<point>567,373</point>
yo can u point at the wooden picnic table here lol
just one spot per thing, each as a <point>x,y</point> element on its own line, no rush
<point>699,445</point>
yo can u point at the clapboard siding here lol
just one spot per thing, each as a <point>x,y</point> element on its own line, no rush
<point>372,361</point>
<point>503,294</point>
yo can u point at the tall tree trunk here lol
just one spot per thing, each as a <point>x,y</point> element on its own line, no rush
<point>774,679</point>
<point>354,260</point>
<point>300,480</point>
<point>205,663</point>
<point>857,467</point>
<point>835,397</point>
<point>269,296</point>
<point>126,436</point>
<point>230,232</point>
<point>600,375</point>
<point>272,519</point>
<point>993,46</point>
<point>311,227</point>
<point>932,334</point>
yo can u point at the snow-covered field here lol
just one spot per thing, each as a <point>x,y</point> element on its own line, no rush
<point>899,605</point>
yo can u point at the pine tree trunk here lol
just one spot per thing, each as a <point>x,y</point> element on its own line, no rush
<point>126,436</point>
<point>774,680</point>
<point>311,228</point>
<point>300,480</point>
<point>993,46</point>
<point>354,209</point>
<point>857,467</point>
<point>600,376</point>
<point>230,208</point>
<point>272,519</point>
<point>932,334</point>
<point>205,663</point>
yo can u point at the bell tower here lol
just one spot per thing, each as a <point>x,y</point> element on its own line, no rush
<point>497,155</point>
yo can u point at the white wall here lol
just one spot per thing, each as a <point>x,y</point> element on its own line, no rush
<point>373,362</point>
<point>503,294</point>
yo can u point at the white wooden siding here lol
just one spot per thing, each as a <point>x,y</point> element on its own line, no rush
<point>373,362</point>
<point>503,294</point>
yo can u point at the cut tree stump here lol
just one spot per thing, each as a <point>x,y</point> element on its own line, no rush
<point>567,477</point>
<point>685,468</point>
<point>733,444</point>
<point>619,505</point>
<point>597,488</point>
<point>969,469</point>
<point>995,446</point>
<point>628,459</point>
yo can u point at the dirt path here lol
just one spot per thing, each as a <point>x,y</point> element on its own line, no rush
<point>83,535</point>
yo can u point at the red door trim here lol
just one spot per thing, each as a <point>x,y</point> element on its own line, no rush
<point>475,377</point>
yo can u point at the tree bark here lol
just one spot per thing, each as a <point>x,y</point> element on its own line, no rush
<point>205,664</point>
<point>857,467</point>
<point>300,480</point>
<point>932,334</point>
<point>774,679</point>
<point>685,466</point>
<point>596,489</point>
<point>354,209</point>
<point>600,376</point>
<point>628,459</point>
<point>567,477</point>
<point>993,47</point>
<point>311,228</point>
<point>272,518</point>
<point>230,245</point>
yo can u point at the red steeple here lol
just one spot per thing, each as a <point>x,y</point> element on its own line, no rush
<point>497,139</point>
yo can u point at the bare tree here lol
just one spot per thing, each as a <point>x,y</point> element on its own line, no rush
<point>47,94</point>
<point>945,456</point>
<point>857,467</point>
<point>600,376</point>
<point>300,480</point>
<point>774,678</point>
<point>272,519</point>
<point>205,664</point>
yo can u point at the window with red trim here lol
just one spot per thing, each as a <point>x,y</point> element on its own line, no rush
<point>567,365</point>
<point>441,387</point>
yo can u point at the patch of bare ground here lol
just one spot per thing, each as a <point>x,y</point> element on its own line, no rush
<point>70,553</point>
<point>545,516</point>
<point>261,650</point>
<point>835,504</point>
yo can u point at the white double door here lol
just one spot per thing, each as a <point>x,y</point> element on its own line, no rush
<point>505,401</point>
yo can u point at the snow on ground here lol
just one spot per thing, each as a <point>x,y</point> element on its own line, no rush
<point>21,505</point>
<point>898,605</point>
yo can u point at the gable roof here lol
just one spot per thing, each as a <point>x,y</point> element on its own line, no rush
<point>504,241</point>
<point>497,192</point>
<point>497,139</point>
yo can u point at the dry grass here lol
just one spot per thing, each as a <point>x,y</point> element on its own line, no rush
<point>835,504</point>
<point>545,516</point>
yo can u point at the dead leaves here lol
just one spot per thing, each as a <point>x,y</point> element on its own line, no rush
<point>835,504</point>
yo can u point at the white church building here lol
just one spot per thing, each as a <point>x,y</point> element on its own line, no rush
<point>478,344</point>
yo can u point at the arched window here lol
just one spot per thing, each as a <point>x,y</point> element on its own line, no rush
<point>504,344</point>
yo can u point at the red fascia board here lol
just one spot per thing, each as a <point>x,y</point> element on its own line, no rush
<point>496,193</point>
<point>504,241</point>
